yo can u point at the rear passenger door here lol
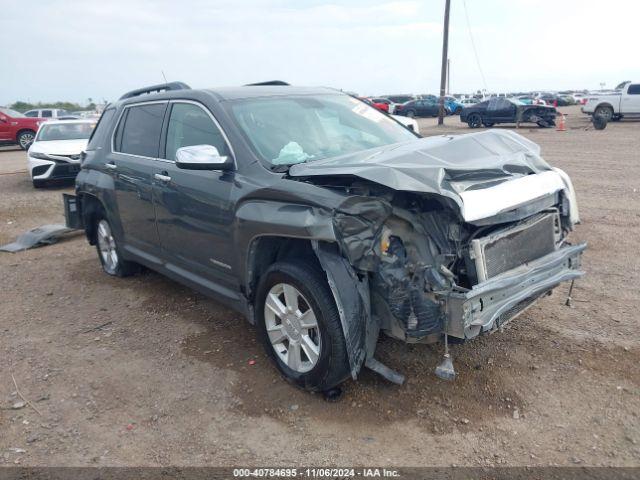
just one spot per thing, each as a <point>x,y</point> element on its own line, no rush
<point>132,163</point>
<point>193,207</point>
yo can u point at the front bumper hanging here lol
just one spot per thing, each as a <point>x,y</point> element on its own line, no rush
<point>499,299</point>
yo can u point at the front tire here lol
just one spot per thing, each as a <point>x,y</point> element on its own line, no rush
<point>299,325</point>
<point>109,252</point>
<point>411,114</point>
<point>25,139</point>
<point>474,120</point>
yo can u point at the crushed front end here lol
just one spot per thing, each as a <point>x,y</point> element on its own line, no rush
<point>450,236</point>
<point>439,275</point>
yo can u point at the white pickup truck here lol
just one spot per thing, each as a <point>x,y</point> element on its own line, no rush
<point>617,105</point>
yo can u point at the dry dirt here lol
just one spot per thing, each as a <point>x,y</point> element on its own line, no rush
<point>142,371</point>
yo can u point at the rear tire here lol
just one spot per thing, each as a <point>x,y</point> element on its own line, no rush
<point>604,111</point>
<point>25,139</point>
<point>311,357</point>
<point>411,114</point>
<point>109,253</point>
<point>39,183</point>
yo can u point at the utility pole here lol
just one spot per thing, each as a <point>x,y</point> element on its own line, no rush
<point>445,55</point>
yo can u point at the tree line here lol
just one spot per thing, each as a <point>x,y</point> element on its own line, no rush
<point>21,106</point>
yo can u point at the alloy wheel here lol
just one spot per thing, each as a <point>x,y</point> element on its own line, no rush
<point>475,121</point>
<point>292,327</point>
<point>26,139</point>
<point>107,247</point>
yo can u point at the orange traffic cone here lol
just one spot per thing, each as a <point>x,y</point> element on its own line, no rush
<point>561,125</point>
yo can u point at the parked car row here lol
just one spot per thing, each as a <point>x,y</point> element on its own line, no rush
<point>415,105</point>
<point>20,129</point>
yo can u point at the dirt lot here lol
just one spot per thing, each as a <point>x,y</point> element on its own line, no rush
<point>143,371</point>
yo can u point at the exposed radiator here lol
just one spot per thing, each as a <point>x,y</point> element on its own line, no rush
<point>515,246</point>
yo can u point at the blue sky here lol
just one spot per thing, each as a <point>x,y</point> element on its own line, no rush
<point>73,50</point>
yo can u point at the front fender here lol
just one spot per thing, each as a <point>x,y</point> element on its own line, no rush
<point>259,218</point>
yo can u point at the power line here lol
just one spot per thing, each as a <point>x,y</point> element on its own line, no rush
<point>473,44</point>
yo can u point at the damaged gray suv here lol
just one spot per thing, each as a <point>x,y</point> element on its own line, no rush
<point>323,220</point>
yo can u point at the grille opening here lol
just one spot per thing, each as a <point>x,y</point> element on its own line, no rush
<point>518,245</point>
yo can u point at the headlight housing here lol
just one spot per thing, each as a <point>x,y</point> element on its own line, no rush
<point>41,156</point>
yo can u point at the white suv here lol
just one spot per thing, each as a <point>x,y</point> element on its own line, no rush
<point>58,113</point>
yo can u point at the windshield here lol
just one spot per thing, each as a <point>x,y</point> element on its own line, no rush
<point>65,131</point>
<point>11,113</point>
<point>289,130</point>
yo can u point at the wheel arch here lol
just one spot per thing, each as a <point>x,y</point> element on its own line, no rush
<point>265,250</point>
<point>604,105</point>
<point>90,207</point>
<point>24,130</point>
<point>350,291</point>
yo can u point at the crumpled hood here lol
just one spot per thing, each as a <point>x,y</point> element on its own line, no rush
<point>454,166</point>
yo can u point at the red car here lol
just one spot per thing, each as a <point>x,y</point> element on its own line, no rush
<point>381,104</point>
<point>15,128</point>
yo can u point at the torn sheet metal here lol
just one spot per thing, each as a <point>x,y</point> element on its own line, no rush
<point>450,166</point>
<point>36,237</point>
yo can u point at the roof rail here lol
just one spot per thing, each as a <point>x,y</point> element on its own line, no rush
<point>278,83</point>
<point>161,87</point>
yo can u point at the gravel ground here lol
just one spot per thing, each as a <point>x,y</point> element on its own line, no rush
<point>144,372</point>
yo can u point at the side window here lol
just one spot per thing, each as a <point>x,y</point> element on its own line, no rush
<point>499,103</point>
<point>31,113</point>
<point>634,89</point>
<point>99,133</point>
<point>140,134</point>
<point>190,125</point>
<point>47,113</point>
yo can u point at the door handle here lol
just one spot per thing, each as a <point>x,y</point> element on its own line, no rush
<point>161,177</point>
<point>111,165</point>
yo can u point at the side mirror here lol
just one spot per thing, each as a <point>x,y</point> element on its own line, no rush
<point>202,157</point>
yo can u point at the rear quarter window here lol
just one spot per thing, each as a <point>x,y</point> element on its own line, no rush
<point>101,131</point>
